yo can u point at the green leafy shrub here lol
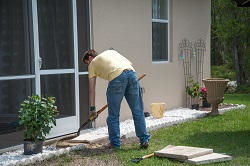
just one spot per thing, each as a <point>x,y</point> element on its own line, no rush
<point>37,117</point>
<point>223,71</point>
<point>193,89</point>
<point>243,89</point>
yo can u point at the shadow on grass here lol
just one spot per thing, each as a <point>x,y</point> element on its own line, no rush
<point>235,143</point>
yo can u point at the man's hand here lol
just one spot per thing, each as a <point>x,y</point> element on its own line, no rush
<point>93,113</point>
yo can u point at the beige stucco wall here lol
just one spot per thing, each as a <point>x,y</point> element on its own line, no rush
<point>126,26</point>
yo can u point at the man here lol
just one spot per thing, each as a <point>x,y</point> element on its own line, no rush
<point>112,66</point>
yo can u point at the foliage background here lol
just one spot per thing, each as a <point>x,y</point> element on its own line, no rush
<point>230,40</point>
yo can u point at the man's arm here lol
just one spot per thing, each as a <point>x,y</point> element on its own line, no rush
<point>92,84</point>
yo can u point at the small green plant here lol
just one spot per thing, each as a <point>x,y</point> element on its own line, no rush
<point>37,117</point>
<point>193,89</point>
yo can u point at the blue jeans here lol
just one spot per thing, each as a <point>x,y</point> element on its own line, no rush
<point>126,84</point>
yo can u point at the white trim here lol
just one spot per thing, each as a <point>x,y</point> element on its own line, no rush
<point>91,36</point>
<point>75,37</point>
<point>16,77</point>
<point>160,62</point>
<point>36,46</point>
<point>83,73</point>
<point>57,71</point>
<point>159,20</point>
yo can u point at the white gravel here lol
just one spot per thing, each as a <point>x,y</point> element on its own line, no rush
<point>18,158</point>
<point>170,118</point>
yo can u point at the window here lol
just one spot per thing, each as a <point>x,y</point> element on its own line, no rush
<point>15,61</point>
<point>160,30</point>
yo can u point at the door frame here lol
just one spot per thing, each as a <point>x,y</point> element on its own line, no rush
<point>73,122</point>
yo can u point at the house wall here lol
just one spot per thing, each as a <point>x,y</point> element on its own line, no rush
<point>126,25</point>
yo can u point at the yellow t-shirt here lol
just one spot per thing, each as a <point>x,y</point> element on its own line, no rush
<point>108,65</point>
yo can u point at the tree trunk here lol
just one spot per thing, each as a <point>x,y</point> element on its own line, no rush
<point>236,62</point>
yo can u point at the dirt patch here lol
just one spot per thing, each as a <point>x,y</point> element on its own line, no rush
<point>73,159</point>
<point>92,154</point>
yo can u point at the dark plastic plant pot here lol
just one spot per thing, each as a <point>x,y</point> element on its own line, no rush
<point>146,114</point>
<point>195,106</point>
<point>205,103</point>
<point>31,147</point>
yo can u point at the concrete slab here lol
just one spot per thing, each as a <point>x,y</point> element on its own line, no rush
<point>182,152</point>
<point>89,138</point>
<point>209,158</point>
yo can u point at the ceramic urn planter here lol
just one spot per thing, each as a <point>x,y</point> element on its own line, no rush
<point>215,92</point>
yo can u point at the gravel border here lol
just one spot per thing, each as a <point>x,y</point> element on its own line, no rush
<point>171,117</point>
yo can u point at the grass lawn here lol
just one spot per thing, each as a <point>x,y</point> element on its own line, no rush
<point>228,133</point>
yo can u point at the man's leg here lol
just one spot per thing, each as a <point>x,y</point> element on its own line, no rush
<point>134,99</point>
<point>115,93</point>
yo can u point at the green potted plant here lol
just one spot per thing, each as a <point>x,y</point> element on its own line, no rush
<point>193,90</point>
<point>37,117</point>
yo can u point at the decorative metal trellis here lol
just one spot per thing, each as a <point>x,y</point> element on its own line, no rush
<point>199,52</point>
<point>188,53</point>
<point>185,54</point>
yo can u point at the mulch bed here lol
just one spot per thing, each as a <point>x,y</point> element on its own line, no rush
<point>220,107</point>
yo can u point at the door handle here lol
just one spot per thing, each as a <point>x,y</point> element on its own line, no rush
<point>40,61</point>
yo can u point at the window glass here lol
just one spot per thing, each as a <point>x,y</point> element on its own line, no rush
<point>13,93</point>
<point>55,34</point>
<point>160,9</point>
<point>160,42</point>
<point>84,98</point>
<point>62,87</point>
<point>15,44</point>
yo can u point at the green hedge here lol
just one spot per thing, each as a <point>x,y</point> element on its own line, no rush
<point>223,71</point>
<point>243,89</point>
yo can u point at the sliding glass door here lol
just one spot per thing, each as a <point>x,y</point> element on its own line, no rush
<point>57,60</point>
<point>17,79</point>
<point>40,50</point>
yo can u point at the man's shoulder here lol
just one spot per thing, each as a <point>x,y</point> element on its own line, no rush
<point>109,52</point>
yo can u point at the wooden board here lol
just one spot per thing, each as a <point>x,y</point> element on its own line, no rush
<point>182,152</point>
<point>209,158</point>
<point>88,138</point>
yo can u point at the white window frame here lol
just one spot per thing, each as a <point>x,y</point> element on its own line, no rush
<point>162,21</point>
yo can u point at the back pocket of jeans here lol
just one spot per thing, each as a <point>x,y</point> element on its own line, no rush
<point>133,87</point>
<point>117,88</point>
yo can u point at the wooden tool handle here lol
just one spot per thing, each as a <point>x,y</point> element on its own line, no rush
<point>141,77</point>
<point>149,155</point>
<point>101,110</point>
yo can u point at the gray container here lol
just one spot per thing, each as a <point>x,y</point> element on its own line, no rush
<point>31,147</point>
